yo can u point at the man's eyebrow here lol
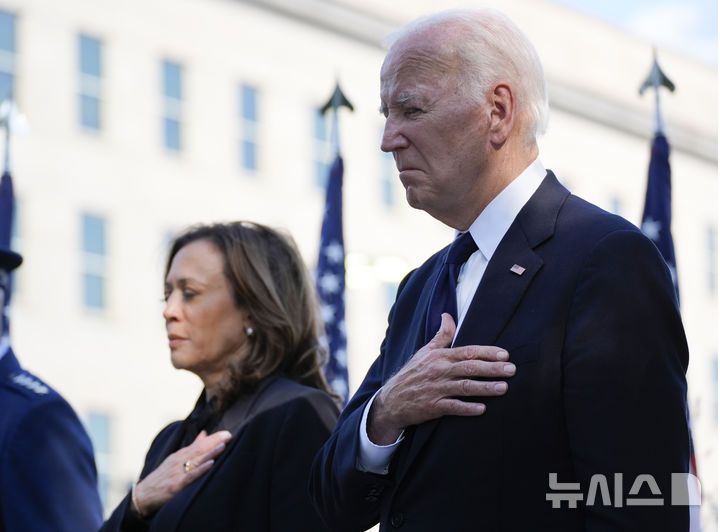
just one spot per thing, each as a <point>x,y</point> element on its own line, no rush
<point>400,100</point>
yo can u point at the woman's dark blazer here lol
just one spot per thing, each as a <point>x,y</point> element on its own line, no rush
<point>259,483</point>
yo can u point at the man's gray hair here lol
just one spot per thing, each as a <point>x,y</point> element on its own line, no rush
<point>491,49</point>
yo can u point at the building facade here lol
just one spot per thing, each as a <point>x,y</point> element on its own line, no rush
<point>146,117</point>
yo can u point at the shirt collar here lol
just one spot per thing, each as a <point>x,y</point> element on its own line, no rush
<point>490,226</point>
<point>4,346</point>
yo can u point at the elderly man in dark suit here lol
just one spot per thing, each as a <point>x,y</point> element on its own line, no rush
<point>551,394</point>
<point>47,470</point>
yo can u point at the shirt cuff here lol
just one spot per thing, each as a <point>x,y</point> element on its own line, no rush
<point>374,458</point>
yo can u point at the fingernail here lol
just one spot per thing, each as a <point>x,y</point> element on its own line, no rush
<point>502,355</point>
<point>509,369</point>
<point>501,387</point>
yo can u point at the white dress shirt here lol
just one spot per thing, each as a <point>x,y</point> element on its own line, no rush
<point>487,231</point>
<point>4,346</point>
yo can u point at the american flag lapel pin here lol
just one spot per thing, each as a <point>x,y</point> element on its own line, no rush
<point>517,269</point>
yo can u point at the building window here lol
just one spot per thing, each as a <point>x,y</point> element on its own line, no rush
<point>248,127</point>
<point>712,259</point>
<point>93,261</point>
<point>7,55</point>
<point>90,72</point>
<point>172,105</point>
<point>98,425</point>
<point>389,175</point>
<point>323,150</point>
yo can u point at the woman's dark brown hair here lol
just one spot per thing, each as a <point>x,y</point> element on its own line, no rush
<point>269,279</point>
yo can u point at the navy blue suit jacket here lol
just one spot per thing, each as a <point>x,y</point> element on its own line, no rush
<point>48,480</point>
<point>593,327</point>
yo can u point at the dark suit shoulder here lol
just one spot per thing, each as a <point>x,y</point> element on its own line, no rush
<point>581,225</point>
<point>166,432</point>
<point>416,278</point>
<point>22,393</point>
<point>29,404</point>
<point>26,386</point>
<point>553,212</point>
<point>285,394</point>
<point>592,216</point>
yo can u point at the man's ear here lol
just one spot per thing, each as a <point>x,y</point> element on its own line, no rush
<point>502,114</point>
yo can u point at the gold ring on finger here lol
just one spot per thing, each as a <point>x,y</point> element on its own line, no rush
<point>187,466</point>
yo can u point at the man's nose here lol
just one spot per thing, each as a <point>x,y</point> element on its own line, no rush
<point>393,138</point>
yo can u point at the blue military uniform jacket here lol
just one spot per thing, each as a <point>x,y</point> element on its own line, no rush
<point>48,480</point>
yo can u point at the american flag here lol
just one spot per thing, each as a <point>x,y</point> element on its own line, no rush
<point>656,226</point>
<point>7,206</point>
<point>657,212</point>
<point>330,281</point>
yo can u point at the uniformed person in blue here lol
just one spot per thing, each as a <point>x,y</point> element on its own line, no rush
<point>48,480</point>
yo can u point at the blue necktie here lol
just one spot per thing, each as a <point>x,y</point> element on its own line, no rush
<point>444,298</point>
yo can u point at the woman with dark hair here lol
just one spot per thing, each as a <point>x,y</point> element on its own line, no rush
<point>241,314</point>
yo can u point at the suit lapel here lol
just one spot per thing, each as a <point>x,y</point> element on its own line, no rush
<point>417,324</point>
<point>513,266</point>
<point>502,289</point>
<point>173,512</point>
<point>167,443</point>
<point>419,287</point>
<point>271,392</point>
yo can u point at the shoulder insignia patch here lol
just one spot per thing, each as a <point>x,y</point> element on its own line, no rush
<point>31,383</point>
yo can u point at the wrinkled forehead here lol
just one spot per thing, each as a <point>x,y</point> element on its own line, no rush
<point>414,61</point>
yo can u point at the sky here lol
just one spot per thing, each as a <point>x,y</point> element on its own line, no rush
<point>687,26</point>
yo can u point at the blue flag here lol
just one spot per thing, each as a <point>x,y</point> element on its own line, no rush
<point>656,226</point>
<point>657,212</point>
<point>7,207</point>
<point>330,281</point>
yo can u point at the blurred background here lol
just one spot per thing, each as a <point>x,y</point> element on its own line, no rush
<point>139,118</point>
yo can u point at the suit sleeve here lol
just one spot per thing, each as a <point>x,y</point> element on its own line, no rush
<point>306,424</point>
<point>122,518</point>
<point>49,477</point>
<point>347,498</point>
<point>625,391</point>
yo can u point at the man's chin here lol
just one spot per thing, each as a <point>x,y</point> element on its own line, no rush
<point>412,199</point>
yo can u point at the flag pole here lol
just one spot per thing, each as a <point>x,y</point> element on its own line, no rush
<point>5,112</point>
<point>658,205</point>
<point>6,166</point>
<point>656,79</point>
<point>7,206</point>
<point>656,226</point>
<point>330,273</point>
<point>337,100</point>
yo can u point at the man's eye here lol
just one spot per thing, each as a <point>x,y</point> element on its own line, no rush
<point>412,111</point>
<point>188,294</point>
